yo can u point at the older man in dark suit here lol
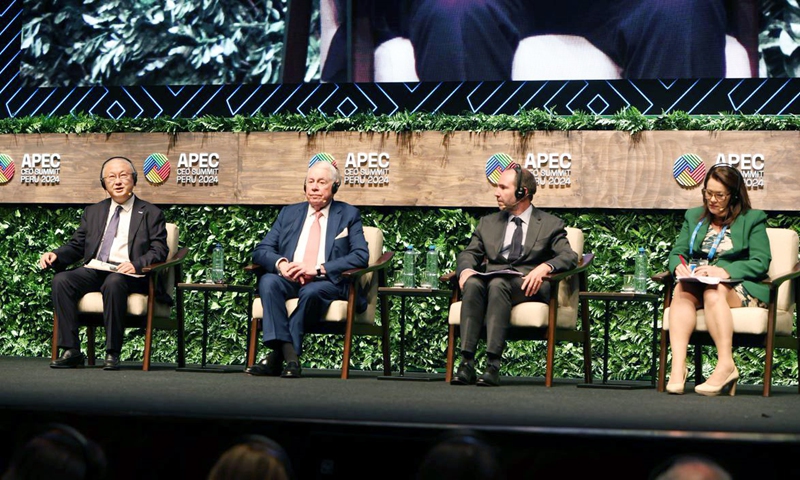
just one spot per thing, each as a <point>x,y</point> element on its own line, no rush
<point>124,231</point>
<point>519,238</point>
<point>304,254</point>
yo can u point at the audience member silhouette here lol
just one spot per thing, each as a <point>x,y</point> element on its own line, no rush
<point>461,455</point>
<point>256,457</point>
<point>691,467</point>
<point>59,452</point>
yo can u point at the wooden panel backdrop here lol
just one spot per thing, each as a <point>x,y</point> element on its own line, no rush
<point>611,170</point>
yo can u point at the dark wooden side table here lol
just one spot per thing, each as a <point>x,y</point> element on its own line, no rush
<point>207,288</point>
<point>617,297</point>
<point>404,293</point>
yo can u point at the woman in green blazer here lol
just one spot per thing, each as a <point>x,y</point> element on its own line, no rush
<point>726,239</point>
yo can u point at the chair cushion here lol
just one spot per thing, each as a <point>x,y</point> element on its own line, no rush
<point>529,314</point>
<point>337,312</point>
<point>750,320</point>
<point>92,303</point>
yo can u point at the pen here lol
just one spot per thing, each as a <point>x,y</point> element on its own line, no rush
<point>682,260</point>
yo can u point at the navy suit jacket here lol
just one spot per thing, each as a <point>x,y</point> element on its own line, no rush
<point>147,235</point>
<point>342,251</point>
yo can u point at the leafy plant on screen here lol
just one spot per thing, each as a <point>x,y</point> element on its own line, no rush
<point>177,42</point>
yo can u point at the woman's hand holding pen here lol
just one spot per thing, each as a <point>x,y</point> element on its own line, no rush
<point>683,270</point>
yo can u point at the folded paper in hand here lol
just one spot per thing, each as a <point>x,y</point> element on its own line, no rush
<point>108,267</point>
<point>709,280</point>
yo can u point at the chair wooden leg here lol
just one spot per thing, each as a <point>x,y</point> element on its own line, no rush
<point>387,359</point>
<point>54,348</point>
<point>181,332</point>
<point>587,341</point>
<point>662,361</point>
<point>348,333</point>
<point>451,353</point>
<point>551,338</point>
<point>251,348</point>
<point>148,340</point>
<point>90,344</point>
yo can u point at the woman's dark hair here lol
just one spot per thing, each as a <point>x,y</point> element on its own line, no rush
<point>731,178</point>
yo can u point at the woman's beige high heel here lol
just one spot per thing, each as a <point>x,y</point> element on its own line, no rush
<point>677,388</point>
<point>714,390</point>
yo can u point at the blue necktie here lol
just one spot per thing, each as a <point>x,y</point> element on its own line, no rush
<point>108,238</point>
<point>516,242</point>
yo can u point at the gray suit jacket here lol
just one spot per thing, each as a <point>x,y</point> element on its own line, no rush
<point>545,242</point>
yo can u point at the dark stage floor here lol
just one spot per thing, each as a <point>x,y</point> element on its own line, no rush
<point>150,421</point>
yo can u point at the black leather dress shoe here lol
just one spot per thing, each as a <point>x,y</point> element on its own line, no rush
<point>292,370</point>
<point>268,367</point>
<point>465,375</point>
<point>490,378</point>
<point>69,359</point>
<point>112,361</point>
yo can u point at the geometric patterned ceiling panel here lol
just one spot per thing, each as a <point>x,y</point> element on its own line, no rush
<point>705,96</point>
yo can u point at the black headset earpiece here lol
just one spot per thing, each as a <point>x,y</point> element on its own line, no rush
<point>737,173</point>
<point>133,169</point>
<point>520,191</point>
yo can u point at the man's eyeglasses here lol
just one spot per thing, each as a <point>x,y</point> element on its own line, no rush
<point>124,177</point>
<point>719,196</point>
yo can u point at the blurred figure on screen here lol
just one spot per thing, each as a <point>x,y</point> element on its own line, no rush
<point>475,40</point>
<point>461,455</point>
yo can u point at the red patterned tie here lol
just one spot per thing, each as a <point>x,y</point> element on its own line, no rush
<point>312,247</point>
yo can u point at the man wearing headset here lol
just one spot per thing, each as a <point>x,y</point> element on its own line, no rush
<point>520,238</point>
<point>122,230</point>
<point>304,255</point>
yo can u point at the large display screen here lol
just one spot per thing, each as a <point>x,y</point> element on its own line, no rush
<point>73,43</point>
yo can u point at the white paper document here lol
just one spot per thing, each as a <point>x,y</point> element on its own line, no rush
<point>108,267</point>
<point>708,280</point>
<point>500,273</point>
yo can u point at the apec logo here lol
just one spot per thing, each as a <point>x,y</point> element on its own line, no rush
<point>496,165</point>
<point>689,170</point>
<point>322,157</point>
<point>157,168</point>
<point>6,168</point>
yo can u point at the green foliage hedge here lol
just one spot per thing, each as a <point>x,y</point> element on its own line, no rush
<point>613,236</point>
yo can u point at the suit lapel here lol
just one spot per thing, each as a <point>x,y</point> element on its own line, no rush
<point>496,243</point>
<point>334,219</point>
<point>296,229</point>
<point>137,215</point>
<point>100,227</point>
<point>534,228</point>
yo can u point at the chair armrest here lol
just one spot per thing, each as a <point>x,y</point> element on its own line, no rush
<point>381,264</point>
<point>157,267</point>
<point>662,277</point>
<point>252,268</point>
<point>583,265</point>
<point>777,281</point>
<point>447,277</point>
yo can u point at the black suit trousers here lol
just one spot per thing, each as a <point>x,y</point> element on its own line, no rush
<point>489,303</point>
<point>68,288</point>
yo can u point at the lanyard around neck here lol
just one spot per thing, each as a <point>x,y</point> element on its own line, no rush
<point>714,246</point>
